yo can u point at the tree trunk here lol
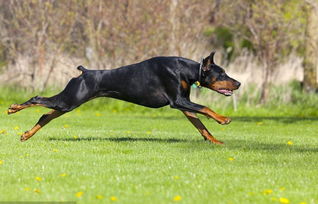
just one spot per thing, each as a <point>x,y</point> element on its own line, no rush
<point>173,45</point>
<point>265,85</point>
<point>310,83</point>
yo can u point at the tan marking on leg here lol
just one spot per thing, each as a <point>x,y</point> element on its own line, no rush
<point>201,128</point>
<point>211,114</point>
<point>41,123</point>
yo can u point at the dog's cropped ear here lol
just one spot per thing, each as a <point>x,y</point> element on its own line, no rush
<point>208,61</point>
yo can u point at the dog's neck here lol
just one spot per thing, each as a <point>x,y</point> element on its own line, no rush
<point>198,83</point>
<point>195,74</point>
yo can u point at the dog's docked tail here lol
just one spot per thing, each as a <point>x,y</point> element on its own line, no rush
<point>81,68</point>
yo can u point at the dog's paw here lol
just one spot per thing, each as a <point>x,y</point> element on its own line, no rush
<point>25,136</point>
<point>214,141</point>
<point>13,109</point>
<point>217,142</point>
<point>224,120</point>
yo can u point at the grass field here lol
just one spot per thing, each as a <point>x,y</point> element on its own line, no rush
<point>105,157</point>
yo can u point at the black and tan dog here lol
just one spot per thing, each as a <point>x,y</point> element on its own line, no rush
<point>153,83</point>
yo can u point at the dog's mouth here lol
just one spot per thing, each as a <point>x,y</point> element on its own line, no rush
<point>225,92</point>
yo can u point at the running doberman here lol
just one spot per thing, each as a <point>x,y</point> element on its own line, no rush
<point>153,83</point>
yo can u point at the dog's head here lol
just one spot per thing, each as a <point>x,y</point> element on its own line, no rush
<point>215,78</point>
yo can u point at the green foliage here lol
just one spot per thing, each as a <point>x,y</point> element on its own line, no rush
<point>208,31</point>
<point>224,36</point>
<point>247,44</point>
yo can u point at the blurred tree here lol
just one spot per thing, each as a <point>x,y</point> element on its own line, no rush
<point>310,83</point>
<point>271,29</point>
<point>36,30</point>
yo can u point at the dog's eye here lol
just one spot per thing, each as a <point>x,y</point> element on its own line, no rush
<point>222,76</point>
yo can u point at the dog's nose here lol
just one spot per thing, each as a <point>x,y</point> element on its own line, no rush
<point>238,84</point>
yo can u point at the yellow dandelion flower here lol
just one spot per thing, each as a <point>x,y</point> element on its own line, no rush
<point>27,189</point>
<point>38,178</point>
<point>37,190</point>
<point>79,194</point>
<point>63,175</point>
<point>303,202</point>
<point>177,198</point>
<point>231,159</point>
<point>75,137</point>
<point>1,162</point>
<point>16,127</point>
<point>290,143</point>
<point>283,200</point>
<point>66,126</point>
<point>113,198</point>
<point>267,191</point>
<point>282,188</point>
<point>98,114</point>
<point>99,197</point>
<point>3,131</point>
<point>55,150</point>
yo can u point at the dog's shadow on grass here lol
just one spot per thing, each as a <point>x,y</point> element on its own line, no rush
<point>275,148</point>
<point>280,119</point>
<point>122,139</point>
<point>243,145</point>
<point>253,119</point>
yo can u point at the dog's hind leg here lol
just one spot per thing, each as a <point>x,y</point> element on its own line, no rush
<point>45,119</point>
<point>76,92</point>
<point>199,125</point>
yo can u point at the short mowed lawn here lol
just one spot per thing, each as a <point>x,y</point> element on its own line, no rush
<point>91,156</point>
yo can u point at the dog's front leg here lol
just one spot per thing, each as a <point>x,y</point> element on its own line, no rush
<point>201,128</point>
<point>186,105</point>
<point>218,118</point>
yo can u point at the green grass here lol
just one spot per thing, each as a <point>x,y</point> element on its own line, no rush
<point>154,157</point>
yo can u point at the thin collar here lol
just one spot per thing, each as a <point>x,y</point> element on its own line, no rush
<point>198,83</point>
